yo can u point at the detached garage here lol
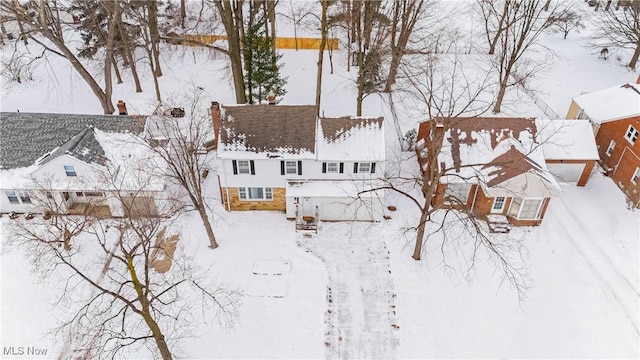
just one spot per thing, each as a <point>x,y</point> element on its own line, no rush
<point>569,149</point>
<point>334,200</point>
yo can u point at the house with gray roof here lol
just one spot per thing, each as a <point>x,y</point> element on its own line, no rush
<point>59,161</point>
<point>286,158</point>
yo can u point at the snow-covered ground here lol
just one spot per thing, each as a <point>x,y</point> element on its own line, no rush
<point>353,290</point>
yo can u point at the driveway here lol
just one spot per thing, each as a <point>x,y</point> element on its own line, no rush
<point>361,318</point>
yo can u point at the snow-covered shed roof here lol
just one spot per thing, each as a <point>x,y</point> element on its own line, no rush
<point>27,137</point>
<point>494,152</point>
<point>567,139</point>
<point>273,130</point>
<point>348,138</point>
<point>611,104</point>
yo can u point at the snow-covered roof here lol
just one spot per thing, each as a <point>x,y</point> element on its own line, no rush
<point>495,152</point>
<point>348,138</point>
<point>333,188</point>
<point>567,139</point>
<point>611,104</point>
<point>27,137</point>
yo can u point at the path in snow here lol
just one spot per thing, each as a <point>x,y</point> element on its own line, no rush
<point>361,318</point>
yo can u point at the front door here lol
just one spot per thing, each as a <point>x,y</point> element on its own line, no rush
<point>306,206</point>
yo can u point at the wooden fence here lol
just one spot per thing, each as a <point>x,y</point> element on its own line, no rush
<point>281,42</point>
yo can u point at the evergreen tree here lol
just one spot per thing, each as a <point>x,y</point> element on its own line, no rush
<point>262,64</point>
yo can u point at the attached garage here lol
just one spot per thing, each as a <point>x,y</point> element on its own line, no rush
<point>566,172</point>
<point>334,200</point>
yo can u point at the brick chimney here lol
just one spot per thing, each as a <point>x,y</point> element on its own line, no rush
<point>122,108</point>
<point>215,116</point>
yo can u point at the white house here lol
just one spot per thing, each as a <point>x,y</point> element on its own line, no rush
<point>78,163</point>
<point>286,158</point>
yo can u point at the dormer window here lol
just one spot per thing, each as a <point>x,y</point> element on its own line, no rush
<point>70,170</point>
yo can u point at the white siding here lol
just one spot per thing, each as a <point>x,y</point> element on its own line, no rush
<point>566,172</point>
<point>343,208</point>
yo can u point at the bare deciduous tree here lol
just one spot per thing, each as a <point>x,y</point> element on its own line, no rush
<point>184,155</point>
<point>231,15</point>
<point>619,28</point>
<point>40,20</point>
<point>127,290</point>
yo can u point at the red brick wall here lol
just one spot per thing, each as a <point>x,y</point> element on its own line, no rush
<point>625,155</point>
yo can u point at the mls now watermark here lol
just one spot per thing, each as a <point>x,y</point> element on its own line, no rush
<point>24,350</point>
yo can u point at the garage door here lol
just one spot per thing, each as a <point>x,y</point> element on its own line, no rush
<point>348,210</point>
<point>566,172</point>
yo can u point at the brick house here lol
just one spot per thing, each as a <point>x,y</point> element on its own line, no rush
<point>614,114</point>
<point>285,158</point>
<point>498,167</point>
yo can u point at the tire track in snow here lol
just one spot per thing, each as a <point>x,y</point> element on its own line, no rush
<point>598,271</point>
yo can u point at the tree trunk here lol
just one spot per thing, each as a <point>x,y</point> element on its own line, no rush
<point>417,249</point>
<point>207,226</point>
<point>360,95</point>
<point>323,43</point>
<point>155,35</point>
<point>116,70</point>
<point>183,13</point>
<point>229,17</point>
<point>503,89</point>
<point>636,55</point>
<point>128,54</point>
<point>146,313</point>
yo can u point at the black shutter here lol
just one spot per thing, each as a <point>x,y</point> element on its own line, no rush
<point>355,168</point>
<point>324,167</point>
<point>253,167</point>
<point>281,167</point>
<point>341,168</point>
<point>299,167</point>
<point>235,167</point>
<point>373,168</point>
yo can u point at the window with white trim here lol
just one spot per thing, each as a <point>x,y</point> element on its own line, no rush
<point>498,204</point>
<point>631,134</point>
<point>636,176</point>
<point>244,167</point>
<point>255,193</point>
<point>291,167</point>
<point>364,167</point>
<point>332,167</point>
<point>527,209</point>
<point>18,197</point>
<point>12,196</point>
<point>455,193</point>
<point>612,145</point>
<point>70,170</point>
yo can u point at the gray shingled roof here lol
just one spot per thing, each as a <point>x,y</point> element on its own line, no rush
<point>269,128</point>
<point>26,137</point>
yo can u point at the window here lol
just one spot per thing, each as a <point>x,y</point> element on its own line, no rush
<point>364,167</point>
<point>255,193</point>
<point>244,167</point>
<point>70,170</point>
<point>19,197</point>
<point>79,194</point>
<point>93,194</point>
<point>291,167</point>
<point>632,134</point>
<point>525,208</point>
<point>455,193</point>
<point>13,198</point>
<point>24,197</point>
<point>332,167</point>
<point>498,204</point>
<point>612,145</point>
<point>636,176</point>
